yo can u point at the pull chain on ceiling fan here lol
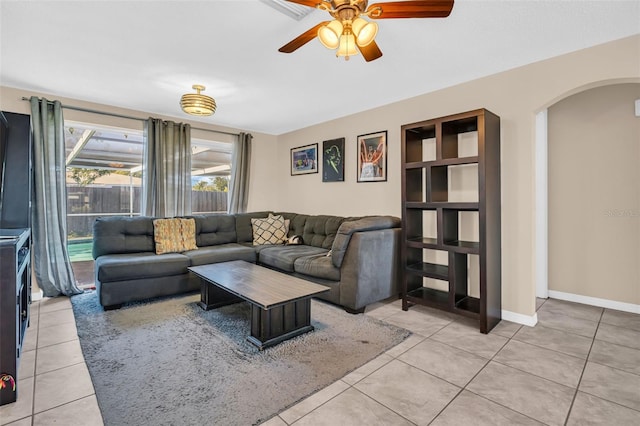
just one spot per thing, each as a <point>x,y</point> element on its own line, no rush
<point>349,32</point>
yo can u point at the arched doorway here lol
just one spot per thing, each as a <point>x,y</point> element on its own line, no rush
<point>588,197</point>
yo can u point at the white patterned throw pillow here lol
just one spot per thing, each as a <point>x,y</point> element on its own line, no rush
<point>271,230</point>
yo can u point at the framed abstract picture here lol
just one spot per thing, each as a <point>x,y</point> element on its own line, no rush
<point>372,157</point>
<point>304,159</point>
<point>333,160</point>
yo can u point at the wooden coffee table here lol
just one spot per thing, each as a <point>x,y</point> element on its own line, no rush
<point>280,303</point>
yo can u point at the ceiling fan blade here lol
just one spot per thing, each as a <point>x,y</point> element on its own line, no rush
<point>310,3</point>
<point>370,52</point>
<point>302,39</point>
<point>411,9</point>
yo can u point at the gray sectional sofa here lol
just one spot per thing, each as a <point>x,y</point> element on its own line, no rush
<point>357,258</point>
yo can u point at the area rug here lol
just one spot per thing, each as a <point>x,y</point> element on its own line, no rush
<point>168,362</point>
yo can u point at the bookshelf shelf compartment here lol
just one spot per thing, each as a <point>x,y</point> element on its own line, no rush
<point>429,297</point>
<point>430,270</point>
<point>471,247</point>
<point>464,206</point>
<point>468,304</point>
<point>451,170</point>
<point>420,242</point>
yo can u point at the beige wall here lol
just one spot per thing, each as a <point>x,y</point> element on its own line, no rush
<point>516,96</point>
<point>594,194</point>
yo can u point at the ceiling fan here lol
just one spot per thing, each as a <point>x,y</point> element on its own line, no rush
<point>349,32</point>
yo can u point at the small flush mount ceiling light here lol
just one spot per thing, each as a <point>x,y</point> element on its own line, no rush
<point>197,103</point>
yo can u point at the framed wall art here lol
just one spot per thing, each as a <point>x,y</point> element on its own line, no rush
<point>304,159</point>
<point>333,160</point>
<point>372,157</point>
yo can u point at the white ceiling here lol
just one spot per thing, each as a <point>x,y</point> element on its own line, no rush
<point>144,55</point>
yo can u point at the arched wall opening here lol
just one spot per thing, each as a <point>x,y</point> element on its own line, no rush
<point>588,196</point>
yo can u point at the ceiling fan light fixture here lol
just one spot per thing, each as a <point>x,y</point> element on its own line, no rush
<point>364,31</point>
<point>197,103</point>
<point>347,46</point>
<point>329,35</point>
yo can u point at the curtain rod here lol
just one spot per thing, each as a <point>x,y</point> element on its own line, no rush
<point>94,111</point>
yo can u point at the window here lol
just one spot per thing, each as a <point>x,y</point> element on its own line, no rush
<point>104,178</point>
<point>210,171</point>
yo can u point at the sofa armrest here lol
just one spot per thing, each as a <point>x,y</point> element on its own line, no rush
<point>371,268</point>
<point>346,230</point>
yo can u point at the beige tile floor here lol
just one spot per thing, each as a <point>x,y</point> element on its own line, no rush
<point>54,386</point>
<point>580,365</point>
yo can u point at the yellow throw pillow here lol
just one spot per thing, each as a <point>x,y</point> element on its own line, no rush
<point>268,231</point>
<point>174,235</point>
<point>189,234</point>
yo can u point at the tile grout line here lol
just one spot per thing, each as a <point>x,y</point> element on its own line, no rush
<point>63,404</point>
<point>35,373</point>
<point>433,375</point>
<point>553,350</point>
<point>464,388</point>
<point>352,386</point>
<point>492,359</point>
<point>385,406</point>
<point>575,394</point>
<point>615,368</point>
<point>489,360</point>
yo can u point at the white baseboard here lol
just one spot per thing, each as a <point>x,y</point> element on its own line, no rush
<point>595,301</point>
<point>529,320</point>
<point>36,295</point>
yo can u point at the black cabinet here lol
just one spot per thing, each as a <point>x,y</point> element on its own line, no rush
<point>15,245</point>
<point>451,215</point>
<point>15,298</point>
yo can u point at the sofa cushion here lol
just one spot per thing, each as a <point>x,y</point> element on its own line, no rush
<point>215,229</point>
<point>296,222</point>
<point>119,234</point>
<point>221,253</point>
<point>244,231</point>
<point>271,230</point>
<point>320,231</point>
<point>174,235</point>
<point>120,267</point>
<point>348,227</point>
<point>317,265</point>
<point>283,257</point>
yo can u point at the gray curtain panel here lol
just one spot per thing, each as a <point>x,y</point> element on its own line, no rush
<point>240,166</point>
<point>166,188</point>
<point>51,257</point>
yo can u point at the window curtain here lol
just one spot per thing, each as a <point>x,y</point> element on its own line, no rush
<point>240,166</point>
<point>49,212</point>
<point>166,169</point>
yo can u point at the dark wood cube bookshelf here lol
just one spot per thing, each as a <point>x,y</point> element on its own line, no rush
<point>469,141</point>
